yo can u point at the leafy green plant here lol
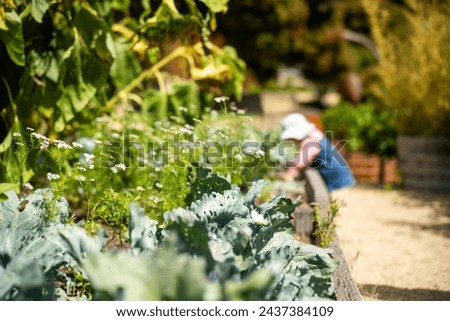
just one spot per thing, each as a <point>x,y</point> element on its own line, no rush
<point>81,59</point>
<point>324,223</point>
<point>28,259</point>
<point>364,127</point>
<point>223,245</point>
<point>413,69</point>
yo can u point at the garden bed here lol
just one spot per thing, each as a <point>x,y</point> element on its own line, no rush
<point>313,190</point>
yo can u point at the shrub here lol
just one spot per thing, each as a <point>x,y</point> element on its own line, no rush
<point>414,44</point>
<point>365,127</point>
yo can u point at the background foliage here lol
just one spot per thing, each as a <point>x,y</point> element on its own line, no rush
<point>413,38</point>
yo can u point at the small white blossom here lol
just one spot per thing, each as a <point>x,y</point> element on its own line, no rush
<point>89,160</point>
<point>60,144</point>
<point>121,166</point>
<point>51,176</point>
<point>80,178</point>
<point>98,141</point>
<point>238,157</point>
<point>159,185</point>
<point>185,130</point>
<point>44,145</point>
<point>88,157</point>
<point>183,109</point>
<point>258,218</point>
<point>221,99</point>
<point>241,112</point>
<point>155,199</point>
<point>15,134</point>
<point>140,189</point>
<point>30,129</point>
<point>260,153</point>
<point>28,186</point>
<point>77,145</point>
<point>39,136</point>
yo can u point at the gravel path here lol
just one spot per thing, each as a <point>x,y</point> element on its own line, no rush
<point>397,242</point>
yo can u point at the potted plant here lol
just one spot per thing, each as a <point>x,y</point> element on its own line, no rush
<point>413,39</point>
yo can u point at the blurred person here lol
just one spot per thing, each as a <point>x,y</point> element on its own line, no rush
<point>314,150</point>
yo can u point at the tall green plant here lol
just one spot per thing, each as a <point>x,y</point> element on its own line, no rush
<point>414,43</point>
<point>67,62</point>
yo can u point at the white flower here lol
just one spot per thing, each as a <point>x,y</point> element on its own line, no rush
<point>183,109</point>
<point>221,99</point>
<point>185,130</point>
<point>78,145</point>
<point>238,157</point>
<point>241,112</point>
<point>89,160</point>
<point>30,129</point>
<point>44,144</point>
<point>15,134</point>
<point>258,218</point>
<point>260,153</point>
<point>140,189</point>
<point>80,178</point>
<point>39,136</point>
<point>155,199</point>
<point>88,157</point>
<point>51,176</point>
<point>60,144</point>
<point>121,166</point>
<point>159,185</point>
<point>28,186</point>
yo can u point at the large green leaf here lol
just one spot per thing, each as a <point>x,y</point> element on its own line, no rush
<point>26,254</point>
<point>220,209</point>
<point>216,5</point>
<point>142,229</point>
<point>303,271</point>
<point>165,275</point>
<point>39,8</point>
<point>126,66</point>
<point>13,37</point>
<point>185,94</point>
<point>82,75</point>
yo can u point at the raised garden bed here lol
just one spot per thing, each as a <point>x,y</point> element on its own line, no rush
<point>313,190</point>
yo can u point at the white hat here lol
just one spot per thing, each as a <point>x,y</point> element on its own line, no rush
<point>295,126</point>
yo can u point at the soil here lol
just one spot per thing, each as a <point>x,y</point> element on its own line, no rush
<point>397,242</point>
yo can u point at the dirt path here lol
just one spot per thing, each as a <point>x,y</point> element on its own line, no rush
<point>397,242</point>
